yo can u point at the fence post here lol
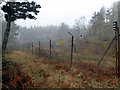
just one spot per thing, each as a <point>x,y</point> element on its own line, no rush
<point>118,51</point>
<point>118,41</point>
<point>39,48</point>
<point>50,48</point>
<point>32,48</point>
<point>104,54</point>
<point>71,49</point>
<point>117,48</point>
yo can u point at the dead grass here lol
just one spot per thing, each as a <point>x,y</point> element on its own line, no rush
<point>12,76</point>
<point>58,74</point>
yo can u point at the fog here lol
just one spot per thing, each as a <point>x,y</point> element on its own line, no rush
<point>84,19</point>
<point>54,12</point>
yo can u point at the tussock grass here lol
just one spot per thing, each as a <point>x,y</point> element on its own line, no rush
<point>46,73</point>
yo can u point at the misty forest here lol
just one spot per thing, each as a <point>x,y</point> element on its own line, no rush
<point>85,55</point>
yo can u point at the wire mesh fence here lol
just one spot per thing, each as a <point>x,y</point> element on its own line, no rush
<point>83,50</point>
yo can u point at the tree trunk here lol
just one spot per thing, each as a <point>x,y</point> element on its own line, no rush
<point>118,45</point>
<point>119,14</point>
<point>6,36</point>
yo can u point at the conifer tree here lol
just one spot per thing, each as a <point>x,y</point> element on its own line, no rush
<point>14,11</point>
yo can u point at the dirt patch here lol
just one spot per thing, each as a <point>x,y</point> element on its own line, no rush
<point>62,67</point>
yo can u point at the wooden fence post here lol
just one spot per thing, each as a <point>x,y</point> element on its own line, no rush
<point>118,51</point>
<point>39,48</point>
<point>117,48</point>
<point>71,49</point>
<point>50,48</point>
<point>32,49</point>
<point>119,43</point>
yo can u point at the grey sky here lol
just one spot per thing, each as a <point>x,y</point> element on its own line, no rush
<point>54,12</point>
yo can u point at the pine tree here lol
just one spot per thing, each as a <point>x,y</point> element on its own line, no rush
<point>14,11</point>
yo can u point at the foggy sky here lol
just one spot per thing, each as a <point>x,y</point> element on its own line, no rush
<point>54,12</point>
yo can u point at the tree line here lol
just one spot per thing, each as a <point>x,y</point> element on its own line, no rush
<point>100,27</point>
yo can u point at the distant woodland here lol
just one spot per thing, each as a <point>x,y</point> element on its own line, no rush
<point>100,27</point>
